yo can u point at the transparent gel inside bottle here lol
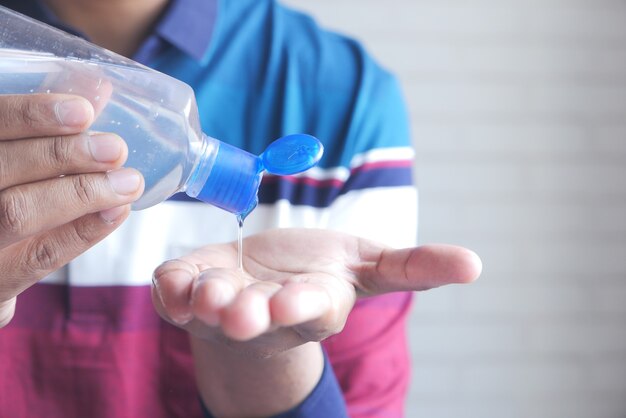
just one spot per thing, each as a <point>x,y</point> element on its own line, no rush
<point>155,114</point>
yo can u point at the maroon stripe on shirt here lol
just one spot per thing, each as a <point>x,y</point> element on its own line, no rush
<point>121,308</point>
<point>103,351</point>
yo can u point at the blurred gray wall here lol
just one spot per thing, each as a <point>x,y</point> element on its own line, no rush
<point>519,117</point>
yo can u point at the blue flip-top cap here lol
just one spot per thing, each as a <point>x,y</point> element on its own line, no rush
<point>234,180</point>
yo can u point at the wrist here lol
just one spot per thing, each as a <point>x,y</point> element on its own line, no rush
<point>234,383</point>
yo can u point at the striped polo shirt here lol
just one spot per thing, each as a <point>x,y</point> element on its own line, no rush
<point>86,341</point>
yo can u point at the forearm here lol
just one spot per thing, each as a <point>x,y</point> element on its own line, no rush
<point>233,384</point>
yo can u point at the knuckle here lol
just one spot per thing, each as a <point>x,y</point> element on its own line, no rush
<point>10,111</point>
<point>50,252</point>
<point>13,217</point>
<point>5,172</point>
<point>60,151</point>
<point>83,234</point>
<point>85,189</point>
<point>31,114</point>
<point>44,255</point>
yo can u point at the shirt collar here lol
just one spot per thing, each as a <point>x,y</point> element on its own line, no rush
<point>188,25</point>
<point>185,24</point>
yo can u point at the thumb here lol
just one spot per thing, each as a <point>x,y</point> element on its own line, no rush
<point>420,268</point>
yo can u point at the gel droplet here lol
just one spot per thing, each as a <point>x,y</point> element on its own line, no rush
<point>292,154</point>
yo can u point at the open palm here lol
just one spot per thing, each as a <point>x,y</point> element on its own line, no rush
<point>298,285</point>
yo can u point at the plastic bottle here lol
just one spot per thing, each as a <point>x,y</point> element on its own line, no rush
<point>155,114</point>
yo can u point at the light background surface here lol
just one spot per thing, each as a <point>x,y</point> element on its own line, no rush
<point>518,110</point>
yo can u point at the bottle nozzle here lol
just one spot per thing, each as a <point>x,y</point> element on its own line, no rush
<point>229,177</point>
<point>234,180</point>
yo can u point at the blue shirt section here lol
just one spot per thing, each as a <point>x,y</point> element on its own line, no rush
<point>270,72</point>
<point>261,71</point>
<point>186,25</point>
<point>324,401</point>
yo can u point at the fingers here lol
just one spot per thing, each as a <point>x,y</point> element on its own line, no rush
<point>218,297</point>
<point>421,268</point>
<point>64,199</point>
<point>313,310</point>
<point>315,305</point>
<point>214,290</point>
<point>171,291</point>
<point>297,303</point>
<point>248,315</point>
<point>88,83</point>
<point>60,155</point>
<point>33,258</point>
<point>221,298</point>
<point>33,197</point>
<point>39,115</point>
<point>242,310</point>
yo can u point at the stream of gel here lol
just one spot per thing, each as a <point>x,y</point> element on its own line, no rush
<point>240,243</point>
<point>291,154</point>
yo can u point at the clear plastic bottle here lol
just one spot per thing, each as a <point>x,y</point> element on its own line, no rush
<point>155,114</point>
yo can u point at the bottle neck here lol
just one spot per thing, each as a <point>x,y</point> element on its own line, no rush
<point>204,154</point>
<point>226,176</point>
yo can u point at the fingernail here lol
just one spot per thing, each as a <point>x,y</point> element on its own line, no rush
<point>124,181</point>
<point>105,147</point>
<point>111,215</point>
<point>157,288</point>
<point>181,318</point>
<point>73,112</point>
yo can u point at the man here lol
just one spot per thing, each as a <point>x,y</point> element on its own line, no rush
<point>86,341</point>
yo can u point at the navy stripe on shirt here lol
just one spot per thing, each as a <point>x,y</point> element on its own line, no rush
<point>307,191</point>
